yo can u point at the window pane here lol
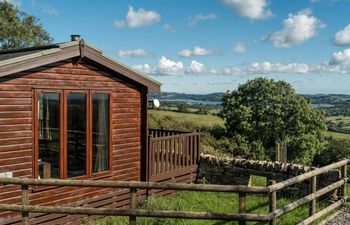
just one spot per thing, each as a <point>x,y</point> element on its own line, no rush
<point>100,131</point>
<point>48,135</point>
<point>76,134</point>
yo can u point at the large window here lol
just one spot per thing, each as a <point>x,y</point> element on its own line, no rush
<point>100,132</point>
<point>49,135</point>
<point>76,134</point>
<point>73,134</point>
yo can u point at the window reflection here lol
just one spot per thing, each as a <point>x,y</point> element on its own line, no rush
<point>76,134</point>
<point>100,131</point>
<point>49,135</point>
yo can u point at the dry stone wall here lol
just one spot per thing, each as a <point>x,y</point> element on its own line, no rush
<point>221,170</point>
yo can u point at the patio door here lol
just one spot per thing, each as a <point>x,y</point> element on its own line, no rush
<point>72,134</point>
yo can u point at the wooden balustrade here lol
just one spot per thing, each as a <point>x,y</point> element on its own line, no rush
<point>172,152</point>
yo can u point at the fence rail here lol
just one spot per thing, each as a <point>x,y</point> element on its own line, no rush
<point>25,208</point>
<point>242,216</point>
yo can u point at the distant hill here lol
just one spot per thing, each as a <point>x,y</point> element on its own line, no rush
<point>331,104</point>
<point>215,97</point>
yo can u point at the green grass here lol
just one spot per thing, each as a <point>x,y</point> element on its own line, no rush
<point>338,135</point>
<point>210,202</point>
<point>176,120</point>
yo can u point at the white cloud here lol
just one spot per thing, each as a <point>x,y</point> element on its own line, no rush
<point>267,67</point>
<point>119,24</point>
<point>169,27</point>
<point>139,18</point>
<point>167,66</point>
<point>145,68</point>
<point>132,53</point>
<point>239,47</point>
<point>340,58</point>
<point>339,63</point>
<point>232,71</point>
<point>196,67</point>
<point>297,29</point>
<point>253,9</point>
<point>342,37</point>
<point>50,10</point>
<point>185,53</point>
<point>197,51</point>
<point>193,20</point>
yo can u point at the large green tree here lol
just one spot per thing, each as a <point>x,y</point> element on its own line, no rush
<point>262,111</point>
<point>19,30</point>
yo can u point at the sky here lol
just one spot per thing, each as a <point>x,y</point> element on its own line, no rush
<point>205,46</point>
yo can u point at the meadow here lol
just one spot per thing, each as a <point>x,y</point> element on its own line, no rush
<point>192,121</point>
<point>204,201</point>
<point>211,202</point>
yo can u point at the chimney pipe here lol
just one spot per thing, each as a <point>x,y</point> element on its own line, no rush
<point>75,37</point>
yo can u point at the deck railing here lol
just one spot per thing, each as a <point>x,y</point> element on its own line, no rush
<point>242,216</point>
<point>155,133</point>
<point>171,152</point>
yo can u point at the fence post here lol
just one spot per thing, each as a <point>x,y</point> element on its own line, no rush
<point>25,202</point>
<point>312,205</point>
<point>344,176</point>
<point>278,151</point>
<point>132,205</point>
<point>242,205</point>
<point>272,202</point>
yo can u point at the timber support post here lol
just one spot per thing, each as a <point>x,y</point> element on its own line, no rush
<point>313,187</point>
<point>132,206</point>
<point>272,202</point>
<point>242,205</point>
<point>25,202</point>
<point>344,176</point>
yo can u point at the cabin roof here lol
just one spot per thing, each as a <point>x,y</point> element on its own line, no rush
<point>18,60</point>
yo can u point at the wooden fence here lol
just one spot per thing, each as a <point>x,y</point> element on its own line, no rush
<point>242,216</point>
<point>132,212</point>
<point>172,154</point>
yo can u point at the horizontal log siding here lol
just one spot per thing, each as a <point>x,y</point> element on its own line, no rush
<point>16,136</point>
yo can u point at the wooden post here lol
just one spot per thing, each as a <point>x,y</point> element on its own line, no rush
<point>25,202</point>
<point>312,204</point>
<point>278,151</point>
<point>272,202</point>
<point>242,205</point>
<point>343,176</point>
<point>132,205</point>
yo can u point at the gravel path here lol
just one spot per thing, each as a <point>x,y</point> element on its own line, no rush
<point>342,218</point>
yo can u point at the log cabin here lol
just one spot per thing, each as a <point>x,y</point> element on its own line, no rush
<point>69,111</point>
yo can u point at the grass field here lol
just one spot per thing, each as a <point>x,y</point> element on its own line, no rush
<point>170,119</point>
<point>203,201</point>
<point>338,135</point>
<point>188,121</point>
<point>210,202</point>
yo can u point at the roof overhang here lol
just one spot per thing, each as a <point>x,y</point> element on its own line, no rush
<point>71,50</point>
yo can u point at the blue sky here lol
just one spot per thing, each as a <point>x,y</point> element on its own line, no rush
<point>204,46</point>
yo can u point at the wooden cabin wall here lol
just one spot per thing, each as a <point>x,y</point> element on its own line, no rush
<point>16,133</point>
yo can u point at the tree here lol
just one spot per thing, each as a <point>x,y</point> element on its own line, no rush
<point>262,111</point>
<point>19,30</point>
<point>336,150</point>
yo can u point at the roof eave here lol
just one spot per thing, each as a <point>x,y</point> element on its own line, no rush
<point>72,50</point>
